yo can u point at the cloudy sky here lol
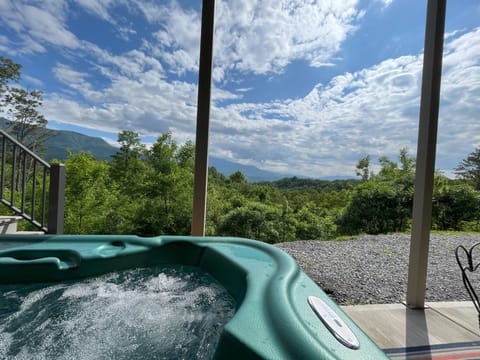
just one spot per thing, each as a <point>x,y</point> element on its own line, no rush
<point>304,87</point>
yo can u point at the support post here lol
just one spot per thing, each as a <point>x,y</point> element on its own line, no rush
<point>426,148</point>
<point>203,119</point>
<point>56,200</point>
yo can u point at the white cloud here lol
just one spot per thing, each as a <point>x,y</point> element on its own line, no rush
<point>177,41</point>
<point>132,63</point>
<point>77,81</point>
<point>111,142</point>
<point>459,128</point>
<point>265,36</point>
<point>67,75</point>
<point>5,45</point>
<point>103,10</point>
<point>253,36</point>
<point>373,111</point>
<point>386,3</point>
<point>38,22</point>
<point>33,80</point>
<point>99,8</point>
<point>146,103</point>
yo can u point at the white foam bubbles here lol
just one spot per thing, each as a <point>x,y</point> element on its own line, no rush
<point>138,314</point>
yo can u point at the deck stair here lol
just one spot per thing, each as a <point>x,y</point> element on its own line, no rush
<point>31,188</point>
<point>8,224</point>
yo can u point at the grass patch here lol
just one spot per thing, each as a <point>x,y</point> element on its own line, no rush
<point>346,237</point>
<point>455,232</point>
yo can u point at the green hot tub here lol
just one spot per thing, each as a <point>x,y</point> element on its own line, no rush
<point>278,311</point>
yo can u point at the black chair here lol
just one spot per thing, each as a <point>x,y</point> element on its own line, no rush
<point>465,261</point>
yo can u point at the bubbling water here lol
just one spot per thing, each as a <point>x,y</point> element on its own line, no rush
<point>174,312</point>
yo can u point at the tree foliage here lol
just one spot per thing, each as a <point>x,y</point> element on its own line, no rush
<point>9,71</point>
<point>469,169</point>
<point>149,192</point>
<point>127,167</point>
<point>363,168</point>
<point>24,120</point>
<point>26,123</point>
<point>90,196</point>
<point>455,206</point>
<point>383,202</point>
<point>375,208</point>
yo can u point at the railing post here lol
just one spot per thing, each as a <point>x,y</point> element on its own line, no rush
<point>56,201</point>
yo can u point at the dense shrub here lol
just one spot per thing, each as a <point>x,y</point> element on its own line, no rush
<point>375,208</point>
<point>456,207</point>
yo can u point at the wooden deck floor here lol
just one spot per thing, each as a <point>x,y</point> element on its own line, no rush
<point>396,326</point>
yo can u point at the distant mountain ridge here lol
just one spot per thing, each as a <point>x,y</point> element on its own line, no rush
<point>252,173</point>
<point>64,141</point>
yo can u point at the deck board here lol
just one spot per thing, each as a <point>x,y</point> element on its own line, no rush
<point>395,325</point>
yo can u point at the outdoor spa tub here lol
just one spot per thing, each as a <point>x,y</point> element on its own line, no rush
<point>105,297</point>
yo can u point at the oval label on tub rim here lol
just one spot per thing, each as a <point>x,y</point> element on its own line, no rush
<point>334,323</point>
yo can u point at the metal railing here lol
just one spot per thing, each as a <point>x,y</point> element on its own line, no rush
<point>30,187</point>
<point>469,265</point>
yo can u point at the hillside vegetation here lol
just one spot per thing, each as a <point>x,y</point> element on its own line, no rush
<point>149,192</point>
<point>60,143</point>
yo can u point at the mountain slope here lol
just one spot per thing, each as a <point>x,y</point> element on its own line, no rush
<point>61,142</point>
<point>252,173</point>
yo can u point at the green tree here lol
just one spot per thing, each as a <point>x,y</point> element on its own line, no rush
<point>185,156</point>
<point>127,166</point>
<point>314,224</point>
<point>163,170</point>
<point>388,170</point>
<point>375,208</point>
<point>168,189</point>
<point>469,169</point>
<point>258,221</point>
<point>26,124</point>
<point>382,204</point>
<point>185,159</point>
<point>214,176</point>
<point>454,206</point>
<point>130,148</point>
<point>407,162</point>
<point>9,71</point>
<point>216,205</point>
<point>91,205</point>
<point>401,173</point>
<point>237,178</point>
<point>363,168</point>
<point>162,155</point>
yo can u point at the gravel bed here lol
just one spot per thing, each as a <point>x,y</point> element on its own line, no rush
<point>373,269</point>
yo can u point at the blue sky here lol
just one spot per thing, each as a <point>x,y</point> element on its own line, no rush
<point>300,87</point>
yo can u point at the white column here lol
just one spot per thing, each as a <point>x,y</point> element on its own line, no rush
<point>203,119</point>
<point>426,147</point>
